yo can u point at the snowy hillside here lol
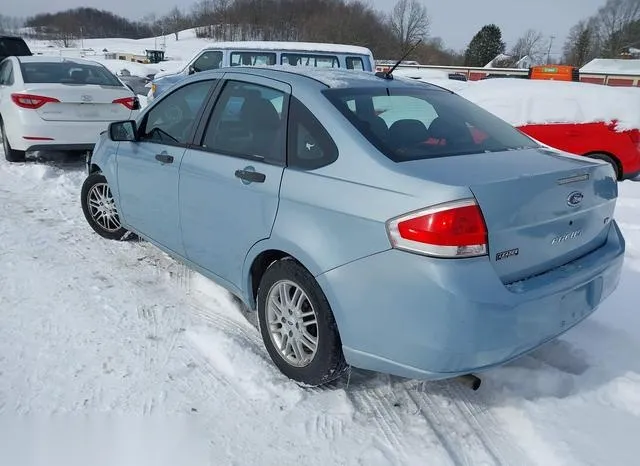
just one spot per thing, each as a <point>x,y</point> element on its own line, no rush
<point>96,328</point>
<point>177,52</point>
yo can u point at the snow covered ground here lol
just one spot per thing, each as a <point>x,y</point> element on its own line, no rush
<point>120,337</point>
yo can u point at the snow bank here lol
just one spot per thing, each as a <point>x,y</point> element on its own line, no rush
<point>521,102</point>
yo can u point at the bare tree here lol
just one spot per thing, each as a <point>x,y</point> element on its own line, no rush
<point>175,21</point>
<point>582,44</point>
<point>614,19</point>
<point>531,44</point>
<point>409,22</point>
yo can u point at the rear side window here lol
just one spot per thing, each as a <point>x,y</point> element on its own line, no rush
<point>68,73</point>
<point>209,60</point>
<point>309,145</point>
<point>355,63</point>
<point>407,123</point>
<point>6,73</point>
<point>247,121</point>
<point>317,61</point>
<point>252,58</point>
<point>10,46</point>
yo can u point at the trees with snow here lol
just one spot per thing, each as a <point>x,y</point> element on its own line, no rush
<point>484,46</point>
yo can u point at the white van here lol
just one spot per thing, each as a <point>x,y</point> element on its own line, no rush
<point>265,53</point>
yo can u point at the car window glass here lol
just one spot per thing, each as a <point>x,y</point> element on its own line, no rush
<point>209,60</point>
<point>247,121</point>
<point>413,123</point>
<point>4,73</point>
<point>317,61</point>
<point>252,58</point>
<point>355,63</point>
<point>309,145</point>
<point>68,72</point>
<point>173,118</point>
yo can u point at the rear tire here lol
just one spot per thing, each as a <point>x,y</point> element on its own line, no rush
<point>11,155</point>
<point>297,325</point>
<point>610,160</point>
<point>99,208</point>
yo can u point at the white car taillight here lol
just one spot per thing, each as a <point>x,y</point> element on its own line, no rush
<point>450,230</point>
<point>31,101</point>
<point>129,102</point>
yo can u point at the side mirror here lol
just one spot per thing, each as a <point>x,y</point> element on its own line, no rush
<point>123,131</point>
<point>192,69</point>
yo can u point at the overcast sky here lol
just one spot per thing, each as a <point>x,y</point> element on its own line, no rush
<point>455,21</point>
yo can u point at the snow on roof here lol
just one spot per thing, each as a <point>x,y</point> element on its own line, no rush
<point>521,102</point>
<point>606,65</point>
<point>421,73</point>
<point>296,46</point>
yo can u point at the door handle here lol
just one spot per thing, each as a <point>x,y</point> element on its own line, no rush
<point>164,158</point>
<point>251,176</point>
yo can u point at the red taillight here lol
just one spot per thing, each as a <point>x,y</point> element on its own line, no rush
<point>31,101</point>
<point>129,102</point>
<point>453,229</point>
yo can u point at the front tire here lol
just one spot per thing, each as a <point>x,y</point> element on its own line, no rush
<point>99,208</point>
<point>11,155</point>
<point>297,325</point>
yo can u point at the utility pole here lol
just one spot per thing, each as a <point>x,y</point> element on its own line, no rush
<point>549,51</point>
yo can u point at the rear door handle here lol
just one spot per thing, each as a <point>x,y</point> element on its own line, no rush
<point>164,158</point>
<point>251,176</point>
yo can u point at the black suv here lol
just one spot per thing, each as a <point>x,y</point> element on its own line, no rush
<point>11,46</point>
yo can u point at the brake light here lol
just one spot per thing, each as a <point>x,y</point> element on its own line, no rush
<point>31,101</point>
<point>129,102</point>
<point>451,230</point>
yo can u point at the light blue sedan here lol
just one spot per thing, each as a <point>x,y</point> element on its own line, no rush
<point>371,222</point>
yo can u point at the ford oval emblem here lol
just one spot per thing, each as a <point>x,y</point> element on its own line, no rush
<point>575,198</point>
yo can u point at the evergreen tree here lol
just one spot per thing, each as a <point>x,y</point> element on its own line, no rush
<point>484,46</point>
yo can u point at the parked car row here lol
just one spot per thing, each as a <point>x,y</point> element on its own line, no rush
<point>379,223</point>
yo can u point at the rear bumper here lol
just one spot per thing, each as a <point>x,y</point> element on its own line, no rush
<point>60,135</point>
<point>422,318</point>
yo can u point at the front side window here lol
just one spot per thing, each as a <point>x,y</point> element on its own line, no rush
<point>252,59</point>
<point>248,121</point>
<point>355,63</point>
<point>209,60</point>
<point>412,124</point>
<point>317,61</point>
<point>173,118</point>
<point>68,72</point>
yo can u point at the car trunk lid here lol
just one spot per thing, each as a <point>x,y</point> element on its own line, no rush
<point>542,208</point>
<point>82,102</point>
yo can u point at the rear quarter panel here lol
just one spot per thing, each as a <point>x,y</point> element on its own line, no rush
<point>588,138</point>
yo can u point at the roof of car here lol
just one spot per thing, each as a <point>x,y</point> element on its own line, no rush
<point>330,77</point>
<point>284,46</point>
<point>54,59</point>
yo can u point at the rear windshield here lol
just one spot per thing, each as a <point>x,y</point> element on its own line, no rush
<point>412,124</point>
<point>68,73</point>
<point>10,47</point>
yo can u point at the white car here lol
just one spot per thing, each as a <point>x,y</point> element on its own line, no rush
<point>50,103</point>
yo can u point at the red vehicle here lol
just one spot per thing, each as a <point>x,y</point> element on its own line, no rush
<point>585,119</point>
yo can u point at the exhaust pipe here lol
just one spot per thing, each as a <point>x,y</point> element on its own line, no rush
<point>472,381</point>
